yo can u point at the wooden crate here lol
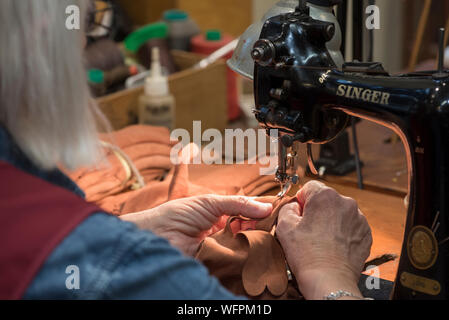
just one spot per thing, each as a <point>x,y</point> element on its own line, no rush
<point>200,95</point>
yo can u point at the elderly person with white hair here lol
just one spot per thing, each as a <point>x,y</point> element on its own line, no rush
<point>50,235</point>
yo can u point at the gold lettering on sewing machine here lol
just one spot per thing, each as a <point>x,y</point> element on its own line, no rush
<point>420,284</point>
<point>324,76</point>
<point>366,95</point>
<point>422,248</point>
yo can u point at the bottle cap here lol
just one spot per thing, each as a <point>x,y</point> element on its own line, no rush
<point>133,70</point>
<point>175,15</point>
<point>95,76</point>
<point>135,40</point>
<point>156,84</point>
<point>213,35</point>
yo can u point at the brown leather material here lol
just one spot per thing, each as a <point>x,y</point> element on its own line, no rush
<point>148,148</point>
<point>250,262</point>
<point>271,275</point>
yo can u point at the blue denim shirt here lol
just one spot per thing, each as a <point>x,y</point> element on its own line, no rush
<point>115,259</point>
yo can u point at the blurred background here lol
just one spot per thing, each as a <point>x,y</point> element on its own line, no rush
<point>124,33</point>
<point>393,42</point>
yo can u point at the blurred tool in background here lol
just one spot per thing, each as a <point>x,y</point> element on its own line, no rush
<point>103,82</point>
<point>141,42</point>
<point>106,19</point>
<point>113,47</point>
<point>181,29</point>
<point>207,44</point>
<point>104,60</point>
<point>103,54</point>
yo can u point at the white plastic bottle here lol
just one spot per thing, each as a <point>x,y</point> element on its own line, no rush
<point>157,105</point>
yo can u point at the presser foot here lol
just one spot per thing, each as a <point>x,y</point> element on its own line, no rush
<point>286,185</point>
<point>285,188</point>
<point>286,173</point>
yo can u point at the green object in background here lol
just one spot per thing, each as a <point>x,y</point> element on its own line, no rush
<point>213,35</point>
<point>95,76</point>
<point>139,37</point>
<point>175,15</point>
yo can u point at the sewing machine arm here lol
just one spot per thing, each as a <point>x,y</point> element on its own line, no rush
<point>300,91</point>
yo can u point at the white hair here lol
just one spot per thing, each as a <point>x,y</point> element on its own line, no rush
<point>45,102</point>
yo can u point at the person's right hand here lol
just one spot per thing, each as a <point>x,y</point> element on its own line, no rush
<point>326,240</point>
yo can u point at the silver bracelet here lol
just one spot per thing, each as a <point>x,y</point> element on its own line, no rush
<point>341,293</point>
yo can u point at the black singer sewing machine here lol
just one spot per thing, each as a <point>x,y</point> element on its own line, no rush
<point>305,91</point>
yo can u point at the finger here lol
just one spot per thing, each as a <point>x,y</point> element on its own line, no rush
<point>290,213</point>
<point>308,190</point>
<point>188,153</point>
<point>240,205</point>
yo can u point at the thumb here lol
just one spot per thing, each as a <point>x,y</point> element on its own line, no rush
<point>290,214</point>
<point>188,153</point>
<point>240,205</point>
<point>308,191</point>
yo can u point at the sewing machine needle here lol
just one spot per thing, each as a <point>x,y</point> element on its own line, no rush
<point>285,188</point>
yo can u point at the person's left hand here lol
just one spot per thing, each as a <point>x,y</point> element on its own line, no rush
<point>186,222</point>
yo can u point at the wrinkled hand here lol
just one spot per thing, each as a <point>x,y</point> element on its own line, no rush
<point>186,222</point>
<point>326,240</point>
